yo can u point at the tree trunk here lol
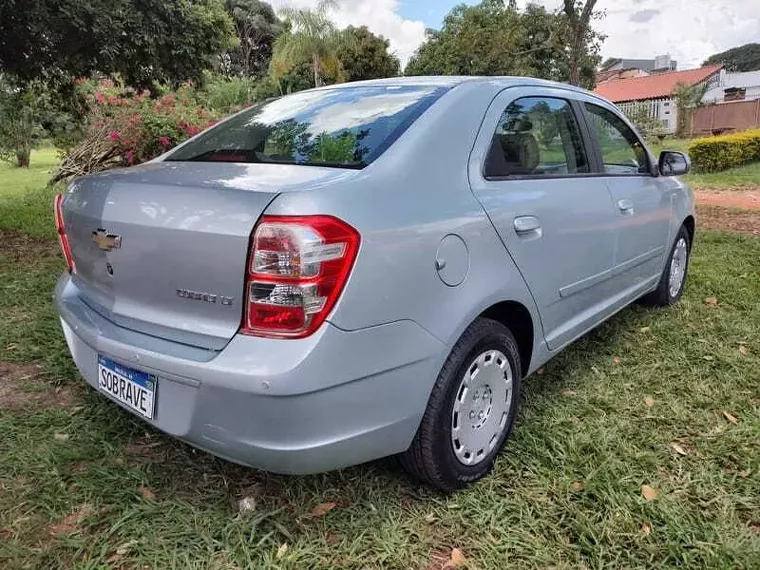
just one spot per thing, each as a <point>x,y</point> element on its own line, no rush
<point>575,63</point>
<point>22,157</point>
<point>317,75</point>
<point>579,24</point>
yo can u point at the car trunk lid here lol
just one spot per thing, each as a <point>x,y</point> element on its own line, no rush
<point>162,248</point>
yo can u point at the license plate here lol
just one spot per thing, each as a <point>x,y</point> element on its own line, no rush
<point>131,387</point>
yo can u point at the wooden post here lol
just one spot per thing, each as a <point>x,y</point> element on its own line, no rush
<point>712,118</point>
<point>691,123</point>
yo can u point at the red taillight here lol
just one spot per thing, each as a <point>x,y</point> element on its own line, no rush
<point>62,238</point>
<point>298,266</point>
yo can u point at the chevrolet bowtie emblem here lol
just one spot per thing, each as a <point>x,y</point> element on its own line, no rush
<point>106,241</point>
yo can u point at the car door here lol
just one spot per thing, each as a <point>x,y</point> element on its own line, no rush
<point>530,170</point>
<point>642,199</point>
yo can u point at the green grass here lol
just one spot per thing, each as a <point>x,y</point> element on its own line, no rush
<point>587,418</point>
<point>657,146</point>
<point>26,202</point>
<point>747,176</point>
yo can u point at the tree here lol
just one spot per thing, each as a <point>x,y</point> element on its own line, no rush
<point>486,39</point>
<point>363,55</point>
<point>22,110</point>
<point>646,124</point>
<point>545,124</point>
<point>494,38</point>
<point>256,26</point>
<point>742,58</point>
<point>359,55</point>
<point>312,35</point>
<point>300,77</point>
<point>144,41</point>
<point>687,97</point>
<point>430,57</point>
<point>578,16</point>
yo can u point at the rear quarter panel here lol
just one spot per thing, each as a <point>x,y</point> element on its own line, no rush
<point>403,205</point>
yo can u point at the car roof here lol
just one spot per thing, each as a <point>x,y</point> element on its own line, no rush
<point>454,80</point>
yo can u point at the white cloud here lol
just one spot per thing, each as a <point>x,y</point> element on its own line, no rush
<point>688,30</point>
<point>380,16</point>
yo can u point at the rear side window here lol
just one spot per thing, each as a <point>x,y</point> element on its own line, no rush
<point>537,136</point>
<point>621,150</point>
<point>347,127</point>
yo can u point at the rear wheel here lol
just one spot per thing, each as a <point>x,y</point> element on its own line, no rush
<point>673,279</point>
<point>471,409</point>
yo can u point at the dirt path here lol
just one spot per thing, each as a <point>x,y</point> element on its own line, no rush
<point>21,386</point>
<point>735,210</point>
<point>747,199</point>
<point>729,219</point>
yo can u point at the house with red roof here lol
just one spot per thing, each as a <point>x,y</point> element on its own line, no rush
<point>655,92</point>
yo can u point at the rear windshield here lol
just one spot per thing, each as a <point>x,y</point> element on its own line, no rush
<point>347,127</point>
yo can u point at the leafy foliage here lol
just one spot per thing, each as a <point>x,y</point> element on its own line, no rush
<point>358,55</point>
<point>579,14</point>
<point>312,36</point>
<point>492,38</point>
<point>226,94</point>
<point>125,126</point>
<point>300,77</point>
<point>546,124</point>
<point>22,111</point>
<point>687,97</point>
<point>291,139</point>
<point>646,124</point>
<point>720,153</point>
<point>256,26</point>
<point>742,58</point>
<point>363,55</point>
<point>145,41</point>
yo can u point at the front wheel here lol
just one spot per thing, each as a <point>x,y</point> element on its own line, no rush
<point>673,279</point>
<point>471,409</point>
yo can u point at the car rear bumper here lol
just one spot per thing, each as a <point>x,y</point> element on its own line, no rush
<point>334,399</point>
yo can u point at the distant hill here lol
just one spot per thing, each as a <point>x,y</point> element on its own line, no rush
<point>742,58</point>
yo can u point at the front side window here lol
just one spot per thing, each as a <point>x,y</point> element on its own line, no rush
<point>346,127</point>
<point>621,150</point>
<point>537,136</point>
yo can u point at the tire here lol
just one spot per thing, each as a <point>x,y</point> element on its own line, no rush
<point>465,413</point>
<point>669,293</point>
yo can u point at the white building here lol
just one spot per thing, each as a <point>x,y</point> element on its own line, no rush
<point>655,92</point>
<point>740,86</point>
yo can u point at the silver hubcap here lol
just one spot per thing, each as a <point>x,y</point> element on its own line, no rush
<point>678,267</point>
<point>481,407</point>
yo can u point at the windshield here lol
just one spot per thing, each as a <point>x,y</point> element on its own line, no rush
<point>347,127</point>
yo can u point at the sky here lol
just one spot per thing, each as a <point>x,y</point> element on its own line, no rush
<point>688,30</point>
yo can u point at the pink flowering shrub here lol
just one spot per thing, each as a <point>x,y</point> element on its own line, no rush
<point>126,127</point>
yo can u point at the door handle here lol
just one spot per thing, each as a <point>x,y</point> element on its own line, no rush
<point>527,226</point>
<point>626,206</point>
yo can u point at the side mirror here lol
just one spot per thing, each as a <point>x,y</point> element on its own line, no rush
<point>673,163</point>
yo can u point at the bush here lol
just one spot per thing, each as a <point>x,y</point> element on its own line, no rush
<point>265,89</point>
<point>719,153</point>
<point>647,125</point>
<point>125,127</point>
<point>22,110</point>
<point>227,95</point>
